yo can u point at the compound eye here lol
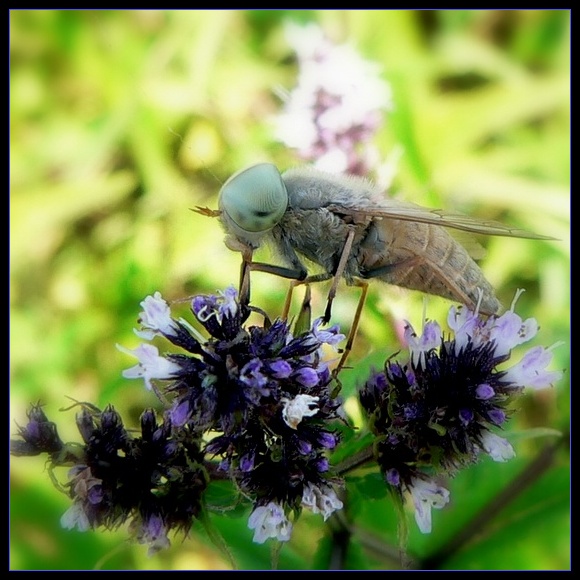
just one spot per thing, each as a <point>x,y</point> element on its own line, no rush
<point>254,198</point>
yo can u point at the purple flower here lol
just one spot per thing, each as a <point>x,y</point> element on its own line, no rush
<point>280,369</point>
<point>435,413</point>
<point>39,436</point>
<point>306,376</point>
<point>180,413</point>
<point>228,305</point>
<point>531,370</point>
<point>322,464</point>
<point>260,391</point>
<point>304,447</point>
<point>153,531</point>
<point>484,392</point>
<point>393,478</point>
<point>421,346</point>
<point>254,404</point>
<point>465,416</point>
<point>247,462</point>
<point>496,416</point>
<point>327,440</point>
<point>155,480</point>
<point>331,336</point>
<point>336,107</point>
<point>252,376</point>
<point>506,331</point>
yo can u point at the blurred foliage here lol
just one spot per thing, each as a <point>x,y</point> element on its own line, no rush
<point>121,121</point>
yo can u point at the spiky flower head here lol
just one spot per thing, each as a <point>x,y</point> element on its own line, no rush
<point>263,394</point>
<point>439,411</point>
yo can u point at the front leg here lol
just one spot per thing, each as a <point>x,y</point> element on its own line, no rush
<point>297,272</point>
<point>247,251</point>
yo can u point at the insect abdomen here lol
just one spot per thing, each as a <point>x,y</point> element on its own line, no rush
<point>425,257</point>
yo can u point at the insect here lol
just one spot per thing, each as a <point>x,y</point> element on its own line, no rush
<point>350,229</point>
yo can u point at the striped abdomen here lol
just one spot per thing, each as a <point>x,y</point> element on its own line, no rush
<point>424,257</point>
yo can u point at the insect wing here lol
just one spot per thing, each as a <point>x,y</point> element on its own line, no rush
<point>415,213</point>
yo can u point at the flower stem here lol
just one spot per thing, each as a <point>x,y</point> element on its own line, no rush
<point>354,461</point>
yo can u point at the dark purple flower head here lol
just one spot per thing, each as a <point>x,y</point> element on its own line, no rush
<point>263,393</point>
<point>38,436</point>
<point>155,480</point>
<point>437,412</point>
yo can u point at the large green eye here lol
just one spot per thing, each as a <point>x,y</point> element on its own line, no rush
<point>254,198</point>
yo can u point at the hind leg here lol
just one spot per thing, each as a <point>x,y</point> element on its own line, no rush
<point>364,286</point>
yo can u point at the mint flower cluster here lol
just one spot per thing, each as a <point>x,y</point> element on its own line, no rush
<point>337,106</point>
<point>439,411</point>
<point>155,480</point>
<point>264,396</point>
<point>256,405</point>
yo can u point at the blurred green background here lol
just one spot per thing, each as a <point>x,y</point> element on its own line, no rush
<point>121,121</point>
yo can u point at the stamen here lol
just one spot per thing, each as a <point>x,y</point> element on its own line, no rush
<point>519,292</point>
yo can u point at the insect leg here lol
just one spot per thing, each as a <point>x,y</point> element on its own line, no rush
<point>316,278</point>
<point>244,288</point>
<point>338,274</point>
<point>364,286</point>
<point>296,276</point>
<point>297,273</point>
<point>292,274</point>
<point>294,283</point>
<point>288,301</point>
<point>303,321</point>
<point>390,268</point>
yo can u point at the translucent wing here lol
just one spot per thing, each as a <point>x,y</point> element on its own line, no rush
<point>395,209</point>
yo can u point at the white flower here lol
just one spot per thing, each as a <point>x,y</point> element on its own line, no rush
<point>427,494</point>
<point>269,521</point>
<point>296,409</point>
<point>75,517</point>
<point>150,366</point>
<point>321,500</point>
<point>419,346</point>
<point>330,336</point>
<point>156,318</point>
<point>507,330</point>
<point>464,324</point>
<point>531,370</point>
<point>497,447</point>
<point>229,304</point>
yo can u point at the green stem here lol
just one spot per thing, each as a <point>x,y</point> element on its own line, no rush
<point>359,458</point>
